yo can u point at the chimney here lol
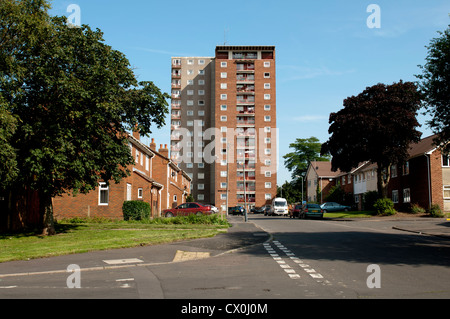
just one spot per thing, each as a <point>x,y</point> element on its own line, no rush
<point>136,134</point>
<point>153,145</point>
<point>164,151</point>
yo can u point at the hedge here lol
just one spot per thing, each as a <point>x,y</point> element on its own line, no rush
<point>136,210</point>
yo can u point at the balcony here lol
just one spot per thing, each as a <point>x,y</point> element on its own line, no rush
<point>245,78</point>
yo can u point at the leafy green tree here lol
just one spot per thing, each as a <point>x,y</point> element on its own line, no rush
<point>75,98</point>
<point>378,126</point>
<point>305,150</point>
<point>435,87</point>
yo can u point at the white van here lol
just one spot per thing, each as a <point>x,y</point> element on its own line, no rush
<point>280,207</point>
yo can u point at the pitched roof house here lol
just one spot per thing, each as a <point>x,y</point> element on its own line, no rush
<point>154,179</point>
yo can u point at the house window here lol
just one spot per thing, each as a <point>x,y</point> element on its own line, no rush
<point>267,75</point>
<point>395,196</point>
<point>223,64</point>
<point>200,197</point>
<point>445,161</point>
<point>268,197</point>
<point>223,75</point>
<point>267,107</point>
<point>266,86</point>
<point>223,196</point>
<point>446,191</point>
<point>406,195</point>
<point>394,171</point>
<point>406,168</point>
<point>223,96</point>
<point>268,185</point>
<point>175,198</point>
<point>267,64</point>
<point>140,192</point>
<point>266,96</point>
<point>103,194</point>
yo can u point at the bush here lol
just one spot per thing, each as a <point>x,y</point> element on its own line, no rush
<point>369,200</point>
<point>416,209</point>
<point>136,210</point>
<point>435,211</point>
<point>384,206</point>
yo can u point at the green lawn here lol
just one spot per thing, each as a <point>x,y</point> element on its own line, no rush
<point>78,236</point>
<point>351,214</point>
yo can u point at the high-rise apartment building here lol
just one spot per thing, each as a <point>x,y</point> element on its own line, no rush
<point>223,124</point>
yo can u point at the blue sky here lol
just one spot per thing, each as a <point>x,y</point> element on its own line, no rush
<point>325,50</point>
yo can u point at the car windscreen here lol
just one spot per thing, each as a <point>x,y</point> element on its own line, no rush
<point>313,206</point>
<point>279,204</point>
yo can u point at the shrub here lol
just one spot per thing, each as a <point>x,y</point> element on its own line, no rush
<point>384,206</point>
<point>435,211</point>
<point>369,200</point>
<point>136,210</point>
<point>416,209</point>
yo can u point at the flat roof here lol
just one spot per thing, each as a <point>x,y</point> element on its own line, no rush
<point>243,47</point>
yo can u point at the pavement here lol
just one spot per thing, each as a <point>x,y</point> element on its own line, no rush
<point>439,227</point>
<point>240,236</point>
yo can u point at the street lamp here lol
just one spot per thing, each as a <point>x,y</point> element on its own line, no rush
<point>301,176</point>
<point>245,188</point>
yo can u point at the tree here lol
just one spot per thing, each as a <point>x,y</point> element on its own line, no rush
<point>435,87</point>
<point>305,151</point>
<point>75,98</point>
<point>378,126</point>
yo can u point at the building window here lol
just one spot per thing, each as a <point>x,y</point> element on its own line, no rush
<point>266,96</point>
<point>223,75</point>
<point>190,92</point>
<point>445,161</point>
<point>267,64</point>
<point>268,197</point>
<point>268,173</point>
<point>223,64</point>
<point>266,86</point>
<point>267,75</point>
<point>200,197</point>
<point>223,118</point>
<point>223,173</point>
<point>223,196</point>
<point>395,196</point>
<point>406,195</point>
<point>103,194</point>
<point>394,170</point>
<point>446,191</point>
<point>267,118</point>
<point>223,86</point>
<point>201,82</point>
<point>268,185</point>
<point>267,107</point>
<point>406,168</point>
<point>201,92</point>
<point>201,62</point>
<point>201,176</point>
<point>223,96</point>
<point>223,185</point>
<point>140,192</point>
<point>223,107</point>
<point>201,186</point>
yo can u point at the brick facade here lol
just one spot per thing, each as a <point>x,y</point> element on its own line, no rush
<point>154,179</point>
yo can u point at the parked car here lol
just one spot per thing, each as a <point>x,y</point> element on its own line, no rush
<point>311,210</point>
<point>188,209</point>
<point>295,211</point>
<point>236,210</point>
<point>267,209</point>
<point>257,210</point>
<point>334,207</point>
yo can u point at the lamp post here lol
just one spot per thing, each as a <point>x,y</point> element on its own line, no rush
<point>301,176</point>
<point>245,188</point>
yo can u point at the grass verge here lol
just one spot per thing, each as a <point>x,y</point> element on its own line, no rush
<point>84,235</point>
<point>350,214</point>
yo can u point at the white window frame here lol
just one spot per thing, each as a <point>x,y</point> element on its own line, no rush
<point>395,196</point>
<point>407,195</point>
<point>140,192</point>
<point>102,187</point>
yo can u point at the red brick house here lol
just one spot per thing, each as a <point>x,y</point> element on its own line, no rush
<point>423,180</point>
<point>154,179</point>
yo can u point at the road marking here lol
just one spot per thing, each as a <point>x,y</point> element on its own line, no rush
<point>126,279</point>
<point>7,287</point>
<point>288,269</point>
<point>123,261</point>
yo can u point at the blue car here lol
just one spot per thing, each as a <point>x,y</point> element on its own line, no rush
<point>334,207</point>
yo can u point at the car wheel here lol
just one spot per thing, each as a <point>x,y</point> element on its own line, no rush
<point>324,211</point>
<point>169,215</point>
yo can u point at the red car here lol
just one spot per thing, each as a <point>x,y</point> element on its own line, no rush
<point>188,209</point>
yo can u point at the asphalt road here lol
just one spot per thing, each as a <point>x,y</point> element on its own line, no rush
<point>302,259</point>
